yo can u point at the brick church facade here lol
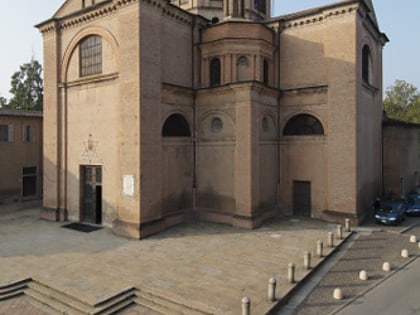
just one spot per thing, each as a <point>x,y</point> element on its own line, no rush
<point>159,112</point>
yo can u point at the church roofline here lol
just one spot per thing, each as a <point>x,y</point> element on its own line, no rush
<point>312,11</point>
<point>112,5</point>
<point>320,9</point>
<point>73,14</point>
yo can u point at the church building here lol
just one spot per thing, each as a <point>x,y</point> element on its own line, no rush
<point>158,112</point>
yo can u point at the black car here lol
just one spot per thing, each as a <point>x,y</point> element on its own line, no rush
<point>390,212</point>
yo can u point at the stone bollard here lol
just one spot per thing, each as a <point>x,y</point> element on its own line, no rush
<point>413,239</point>
<point>418,244</point>
<point>340,232</point>
<point>291,273</point>
<point>319,249</point>
<point>246,306</point>
<point>272,290</point>
<point>386,266</point>
<point>307,260</point>
<point>338,294</point>
<point>404,253</point>
<point>330,239</point>
<point>348,225</point>
<point>363,275</point>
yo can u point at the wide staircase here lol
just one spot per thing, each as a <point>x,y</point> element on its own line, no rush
<point>140,301</point>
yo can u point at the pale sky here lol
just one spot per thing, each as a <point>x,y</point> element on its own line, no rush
<point>398,19</point>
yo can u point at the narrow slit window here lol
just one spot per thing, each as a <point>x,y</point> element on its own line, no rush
<point>366,65</point>
<point>215,72</point>
<point>265,72</point>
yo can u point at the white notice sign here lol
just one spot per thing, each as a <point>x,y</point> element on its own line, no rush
<point>128,185</point>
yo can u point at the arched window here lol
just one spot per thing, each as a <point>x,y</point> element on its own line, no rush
<point>215,72</point>
<point>90,55</point>
<point>242,69</point>
<point>366,65</point>
<point>216,125</point>
<point>303,124</point>
<point>176,126</point>
<point>265,72</point>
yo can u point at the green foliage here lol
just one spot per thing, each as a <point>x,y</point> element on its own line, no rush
<point>402,102</point>
<point>27,87</point>
<point>3,102</point>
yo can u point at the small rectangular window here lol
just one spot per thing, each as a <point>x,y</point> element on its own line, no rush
<point>28,133</point>
<point>6,133</point>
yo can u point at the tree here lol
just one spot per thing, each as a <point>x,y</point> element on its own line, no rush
<point>402,102</point>
<point>27,87</point>
<point>3,102</point>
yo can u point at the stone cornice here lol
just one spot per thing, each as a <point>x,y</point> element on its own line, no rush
<point>371,26</point>
<point>20,113</point>
<point>320,88</point>
<point>81,16</point>
<point>109,7</point>
<point>176,88</point>
<point>90,79</point>
<point>318,15</point>
<point>231,40</point>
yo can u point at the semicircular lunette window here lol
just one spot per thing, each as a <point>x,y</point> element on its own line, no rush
<point>176,126</point>
<point>302,125</point>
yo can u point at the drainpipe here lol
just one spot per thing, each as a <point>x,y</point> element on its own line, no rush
<point>402,187</point>
<point>382,159</point>
<point>277,78</point>
<point>194,133</point>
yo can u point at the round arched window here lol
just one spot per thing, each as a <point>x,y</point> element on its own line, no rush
<point>216,125</point>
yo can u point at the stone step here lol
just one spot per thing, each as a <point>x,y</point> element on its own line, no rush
<point>116,307</point>
<point>13,289</point>
<point>52,303</point>
<point>11,295</point>
<point>115,303</point>
<point>165,305</point>
<point>140,309</point>
<point>64,303</point>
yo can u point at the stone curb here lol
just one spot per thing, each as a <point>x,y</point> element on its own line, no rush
<point>408,228</point>
<point>283,301</point>
<point>374,285</point>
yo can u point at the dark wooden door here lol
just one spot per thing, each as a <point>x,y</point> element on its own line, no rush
<point>301,198</point>
<point>29,182</point>
<point>91,194</point>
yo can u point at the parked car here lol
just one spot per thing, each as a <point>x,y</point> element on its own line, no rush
<point>390,212</point>
<point>412,205</point>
